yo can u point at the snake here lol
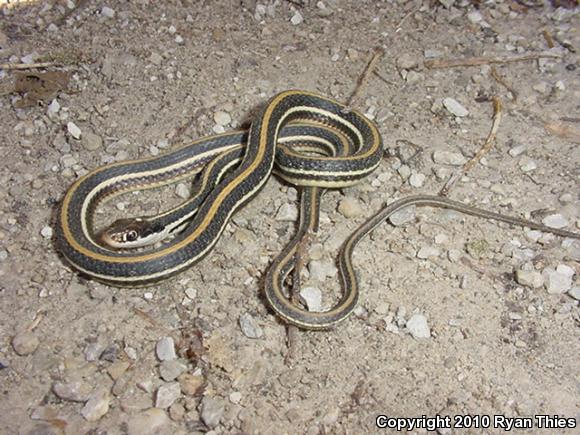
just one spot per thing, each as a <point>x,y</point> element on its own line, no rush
<point>310,141</point>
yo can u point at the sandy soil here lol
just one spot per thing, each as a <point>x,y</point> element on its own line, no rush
<point>501,317</point>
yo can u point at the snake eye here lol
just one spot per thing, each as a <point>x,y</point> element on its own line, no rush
<point>131,236</point>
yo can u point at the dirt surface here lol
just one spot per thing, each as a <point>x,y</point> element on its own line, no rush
<point>497,305</point>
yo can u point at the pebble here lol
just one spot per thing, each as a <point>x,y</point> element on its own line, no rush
<point>555,221</point>
<point>287,212</point>
<point>455,108</point>
<point>382,308</point>
<point>575,292</point>
<point>404,172</point>
<point>565,198</point>
<point>297,18</point>
<point>441,239</point>
<point>25,343</point>
<point>110,353</point>
<point>91,141</point>
<point>474,17</point>
<point>46,232</point>
<point>191,293</point>
<point>312,297</point>
<point>149,422</point>
<point>155,58</point>
<point>182,190</point>
<point>350,207</point>
<point>449,158</point>
<point>53,108</point>
<point>93,351</point>
<point>517,150</point>
<point>407,61</point>
<point>320,270</point>
<point>117,369</point>
<point>107,12</point>
<point>222,118</point>
<point>417,180</point>
<point>190,384</point>
<point>527,165</point>
<point>529,278</point>
<point>417,326</point>
<point>73,130</point>
<point>428,252</point>
<point>557,282</point>
<point>165,349</point>
<point>235,397</point>
<point>403,216</point>
<point>72,391</point>
<point>177,412</point>
<point>97,405</point>
<point>249,326</point>
<point>542,88</point>
<point>171,370</point>
<point>212,411</point>
<point>167,394</point>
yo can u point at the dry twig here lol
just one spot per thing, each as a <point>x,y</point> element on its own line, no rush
<point>363,79</point>
<point>498,78</point>
<point>20,66</point>
<point>497,113</point>
<point>475,61</point>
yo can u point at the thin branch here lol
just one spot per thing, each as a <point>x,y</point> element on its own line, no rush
<point>475,61</point>
<point>363,79</point>
<point>497,109</point>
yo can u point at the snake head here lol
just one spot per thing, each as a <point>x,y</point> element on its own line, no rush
<point>131,233</point>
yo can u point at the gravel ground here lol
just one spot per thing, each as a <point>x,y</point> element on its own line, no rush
<point>458,316</point>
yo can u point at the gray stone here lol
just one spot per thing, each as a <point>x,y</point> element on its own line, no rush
<point>555,221</point>
<point>455,108</point>
<point>72,391</point>
<point>287,212</point>
<point>170,370</point>
<point>250,327</point>
<point>350,207</point>
<point>428,252</point>
<point>529,278</point>
<point>449,158</point>
<point>403,216</point>
<point>167,394</point>
<point>25,343</point>
<point>417,326</point>
<point>97,405</point>
<point>91,141</point>
<point>212,410</point>
<point>73,130</point>
<point>149,422</point>
<point>165,349</point>
<point>312,297</point>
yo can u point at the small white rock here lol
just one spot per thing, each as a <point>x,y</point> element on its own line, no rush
<point>167,394</point>
<point>555,221</point>
<point>350,207</point>
<point>455,108</point>
<point>53,108</point>
<point>107,12</point>
<point>287,212</point>
<point>517,150</point>
<point>403,216</point>
<point>449,158</point>
<point>250,327</point>
<point>46,232</point>
<point>417,180</point>
<point>417,326</point>
<point>182,190</point>
<point>97,405</point>
<point>575,292</point>
<point>528,165</point>
<point>556,282</point>
<point>428,252</point>
<point>165,349</point>
<point>297,18</point>
<point>474,17</point>
<point>222,118</point>
<point>191,293</point>
<point>529,278</point>
<point>73,130</point>
<point>312,297</point>
<point>235,397</point>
